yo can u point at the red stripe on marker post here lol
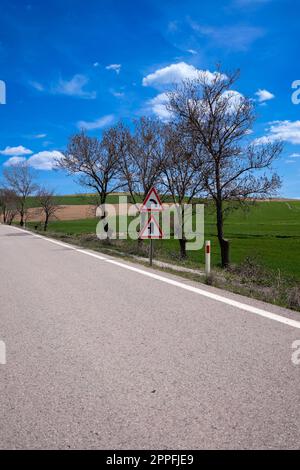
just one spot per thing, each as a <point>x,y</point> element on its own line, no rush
<point>207,258</point>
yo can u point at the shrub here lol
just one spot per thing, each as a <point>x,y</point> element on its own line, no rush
<point>293,297</point>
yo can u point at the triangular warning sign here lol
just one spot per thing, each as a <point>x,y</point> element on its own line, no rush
<point>151,229</point>
<point>152,203</point>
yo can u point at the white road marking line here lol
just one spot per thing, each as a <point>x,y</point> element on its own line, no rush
<point>196,290</point>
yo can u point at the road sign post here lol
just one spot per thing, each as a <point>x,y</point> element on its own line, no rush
<point>151,230</point>
<point>151,252</point>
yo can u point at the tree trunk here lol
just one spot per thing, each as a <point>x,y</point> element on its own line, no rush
<point>22,211</point>
<point>182,241</point>
<point>46,223</point>
<point>224,244</point>
<point>182,244</point>
<point>102,203</point>
<point>106,225</point>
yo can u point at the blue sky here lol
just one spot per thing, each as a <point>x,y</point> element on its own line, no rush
<point>74,63</point>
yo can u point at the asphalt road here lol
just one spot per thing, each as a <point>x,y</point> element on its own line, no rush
<point>102,356</point>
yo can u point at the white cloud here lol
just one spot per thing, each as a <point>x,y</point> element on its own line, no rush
<point>74,87</point>
<point>39,136</point>
<point>97,124</point>
<point>46,143</point>
<point>45,160</point>
<point>117,94</point>
<point>37,86</point>
<point>286,131</point>
<point>115,67</point>
<point>175,73</point>
<point>192,51</point>
<point>231,98</point>
<point>264,95</point>
<point>295,155</point>
<point>237,37</point>
<point>263,140</point>
<point>173,26</point>
<point>158,106</point>
<point>96,64</point>
<point>14,161</point>
<point>20,150</point>
<point>234,98</point>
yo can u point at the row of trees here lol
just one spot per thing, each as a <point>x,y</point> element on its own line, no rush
<point>205,150</point>
<point>18,184</point>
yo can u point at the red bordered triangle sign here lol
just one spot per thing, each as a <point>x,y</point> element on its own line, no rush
<point>152,203</point>
<point>151,229</point>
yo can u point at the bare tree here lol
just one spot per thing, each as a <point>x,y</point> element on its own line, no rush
<point>219,120</point>
<point>94,161</point>
<point>8,205</point>
<point>180,172</point>
<point>47,203</point>
<point>21,180</point>
<point>141,155</point>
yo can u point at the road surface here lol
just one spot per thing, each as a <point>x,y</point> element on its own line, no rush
<point>106,354</point>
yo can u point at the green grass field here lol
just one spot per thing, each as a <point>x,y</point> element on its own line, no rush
<point>81,199</point>
<point>73,199</point>
<point>269,231</point>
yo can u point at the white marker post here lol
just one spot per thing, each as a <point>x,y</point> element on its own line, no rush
<point>207,258</point>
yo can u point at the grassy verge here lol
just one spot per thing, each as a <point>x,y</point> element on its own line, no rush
<point>268,231</point>
<point>250,275</point>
